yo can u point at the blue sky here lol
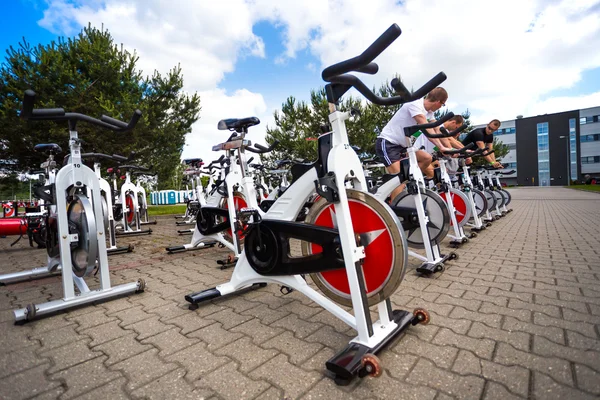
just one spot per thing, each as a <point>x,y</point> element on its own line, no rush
<point>245,58</point>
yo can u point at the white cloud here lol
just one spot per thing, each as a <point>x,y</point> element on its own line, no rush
<point>217,105</point>
<point>501,57</point>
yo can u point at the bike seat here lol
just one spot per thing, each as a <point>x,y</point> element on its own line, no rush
<point>237,124</point>
<point>52,147</point>
<point>190,161</point>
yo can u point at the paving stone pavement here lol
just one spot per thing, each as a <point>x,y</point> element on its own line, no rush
<point>516,316</point>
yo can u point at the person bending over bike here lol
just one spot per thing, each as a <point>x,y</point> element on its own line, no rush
<point>484,138</point>
<point>425,143</point>
<point>392,143</point>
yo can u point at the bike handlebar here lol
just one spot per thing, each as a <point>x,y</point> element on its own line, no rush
<point>338,73</point>
<point>410,130</point>
<point>59,114</point>
<point>459,151</point>
<point>363,62</point>
<point>260,149</point>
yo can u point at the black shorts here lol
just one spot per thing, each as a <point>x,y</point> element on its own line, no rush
<point>389,152</point>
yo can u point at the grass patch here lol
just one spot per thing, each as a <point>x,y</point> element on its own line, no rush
<point>174,209</point>
<point>589,188</point>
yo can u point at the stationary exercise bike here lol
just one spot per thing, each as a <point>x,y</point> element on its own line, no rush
<point>353,249</point>
<point>75,233</point>
<point>110,228</point>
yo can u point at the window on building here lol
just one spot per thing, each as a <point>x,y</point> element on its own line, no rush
<point>573,148</point>
<point>543,154</point>
<point>590,160</point>
<point>589,120</point>
<point>590,138</point>
<point>512,146</point>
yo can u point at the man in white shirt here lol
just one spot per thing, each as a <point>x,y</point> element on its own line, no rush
<point>391,144</point>
<point>424,143</point>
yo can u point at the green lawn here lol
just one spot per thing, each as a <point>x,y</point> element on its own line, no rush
<point>175,209</point>
<point>591,188</point>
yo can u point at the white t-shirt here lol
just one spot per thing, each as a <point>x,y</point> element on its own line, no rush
<point>423,141</point>
<point>394,130</point>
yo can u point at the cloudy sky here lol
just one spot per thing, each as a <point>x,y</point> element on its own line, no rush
<point>245,57</point>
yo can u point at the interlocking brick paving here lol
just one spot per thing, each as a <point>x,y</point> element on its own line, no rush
<point>516,316</point>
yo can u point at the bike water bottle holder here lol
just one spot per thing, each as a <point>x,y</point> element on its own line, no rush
<point>327,188</point>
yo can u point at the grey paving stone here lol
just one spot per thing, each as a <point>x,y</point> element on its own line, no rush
<point>231,384</point>
<point>149,327</point>
<point>215,336</point>
<point>172,386</point>
<point>588,379</point>
<point>297,350</point>
<point>495,391</point>
<point>246,354</point>
<point>113,391</point>
<point>58,337</point>
<point>105,332</point>
<point>170,342</point>
<point>258,331</point>
<point>555,334</point>
<point>519,340</point>
<point>427,374</point>
<point>546,388</point>
<point>300,327</point>
<point>197,360</point>
<point>143,368</point>
<point>483,348</point>
<point>85,377</point>
<point>26,384</point>
<point>21,359</point>
<point>442,356</point>
<point>559,370</point>
<point>189,323</point>
<point>91,319</point>
<point>121,348</point>
<point>279,371</point>
<point>69,355</point>
<point>514,378</point>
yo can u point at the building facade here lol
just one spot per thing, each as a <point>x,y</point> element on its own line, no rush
<point>550,149</point>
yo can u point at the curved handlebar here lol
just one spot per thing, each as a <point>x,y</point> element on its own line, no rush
<point>407,96</point>
<point>134,167</point>
<point>410,130</point>
<point>362,62</point>
<point>457,130</point>
<point>459,151</point>
<point>260,149</point>
<point>59,114</point>
<point>512,171</point>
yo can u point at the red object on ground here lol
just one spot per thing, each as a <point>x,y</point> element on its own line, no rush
<point>13,226</point>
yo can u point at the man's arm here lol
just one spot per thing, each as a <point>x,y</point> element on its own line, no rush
<point>420,119</point>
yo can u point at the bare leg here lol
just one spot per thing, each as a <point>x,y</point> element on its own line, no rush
<point>395,169</point>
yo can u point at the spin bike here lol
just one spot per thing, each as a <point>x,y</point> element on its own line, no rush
<point>130,223</point>
<point>107,202</point>
<point>424,215</point>
<point>353,249</point>
<point>75,235</point>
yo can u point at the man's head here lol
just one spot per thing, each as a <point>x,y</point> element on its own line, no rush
<point>492,127</point>
<point>435,99</point>
<point>454,123</point>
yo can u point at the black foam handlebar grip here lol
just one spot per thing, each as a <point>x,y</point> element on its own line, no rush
<point>364,59</point>
<point>370,68</point>
<point>262,149</point>
<point>459,130</point>
<point>435,124</point>
<point>120,124</point>
<point>428,87</point>
<point>460,151</point>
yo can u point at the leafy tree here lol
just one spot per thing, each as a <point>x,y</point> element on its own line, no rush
<point>90,74</point>
<point>299,123</point>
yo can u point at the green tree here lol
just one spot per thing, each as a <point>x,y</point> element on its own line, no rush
<point>90,74</point>
<point>299,123</point>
